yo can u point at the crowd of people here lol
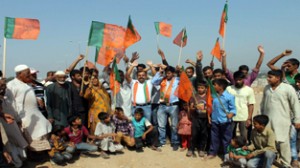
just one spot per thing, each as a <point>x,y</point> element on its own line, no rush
<point>76,111</point>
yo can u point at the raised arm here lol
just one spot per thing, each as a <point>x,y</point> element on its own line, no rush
<point>73,65</point>
<point>156,80</point>
<point>224,63</point>
<point>152,68</point>
<point>261,57</point>
<point>271,64</point>
<point>188,61</point>
<point>163,58</point>
<point>199,72</point>
<point>129,72</point>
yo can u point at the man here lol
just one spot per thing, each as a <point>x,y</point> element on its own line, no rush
<point>16,141</point>
<point>219,74</point>
<point>49,79</point>
<point>33,122</point>
<point>79,104</point>
<point>168,104</point>
<point>279,103</point>
<point>290,66</point>
<point>244,101</point>
<point>249,79</point>
<point>59,100</point>
<point>39,91</point>
<point>141,91</point>
<point>124,97</point>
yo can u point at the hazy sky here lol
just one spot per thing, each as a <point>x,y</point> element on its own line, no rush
<point>65,28</point>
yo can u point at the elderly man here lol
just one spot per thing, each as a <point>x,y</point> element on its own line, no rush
<point>59,100</point>
<point>24,102</point>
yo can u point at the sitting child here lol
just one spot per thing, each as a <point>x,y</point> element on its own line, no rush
<point>263,149</point>
<point>76,132</point>
<point>124,127</point>
<point>185,127</point>
<point>105,131</point>
<point>61,151</point>
<point>236,156</point>
<point>140,123</point>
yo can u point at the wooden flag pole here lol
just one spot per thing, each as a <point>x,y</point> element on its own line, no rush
<point>84,67</point>
<point>180,50</point>
<point>115,95</point>
<point>157,41</point>
<point>4,58</point>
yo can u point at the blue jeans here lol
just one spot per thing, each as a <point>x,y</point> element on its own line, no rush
<point>147,111</point>
<point>60,157</point>
<point>293,142</point>
<point>86,147</point>
<point>220,133</point>
<point>162,117</point>
<point>263,160</point>
<point>242,162</point>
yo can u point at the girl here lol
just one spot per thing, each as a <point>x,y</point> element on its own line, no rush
<point>185,127</point>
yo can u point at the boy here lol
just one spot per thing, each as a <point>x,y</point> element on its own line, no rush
<point>199,121</point>
<point>105,131</point>
<point>221,118</point>
<point>124,127</point>
<point>76,132</point>
<point>140,123</point>
<point>263,149</point>
<point>236,156</point>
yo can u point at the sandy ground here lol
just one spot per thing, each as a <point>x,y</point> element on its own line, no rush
<point>149,159</point>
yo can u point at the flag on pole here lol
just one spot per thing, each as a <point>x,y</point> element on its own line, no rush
<point>21,28</point>
<point>108,40</point>
<point>211,94</point>
<point>224,19</point>
<point>185,88</point>
<point>131,35</point>
<point>164,29</point>
<point>115,78</point>
<point>181,38</point>
<point>216,51</point>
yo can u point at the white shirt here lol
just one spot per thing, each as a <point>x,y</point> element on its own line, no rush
<point>243,97</point>
<point>140,94</point>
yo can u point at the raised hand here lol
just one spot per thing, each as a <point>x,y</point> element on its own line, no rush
<point>125,59</point>
<point>188,61</point>
<point>80,57</point>
<point>134,57</point>
<point>149,63</point>
<point>261,49</point>
<point>223,53</point>
<point>134,63</point>
<point>287,52</point>
<point>161,53</point>
<point>199,55</point>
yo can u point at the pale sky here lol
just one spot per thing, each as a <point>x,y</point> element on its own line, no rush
<point>65,25</point>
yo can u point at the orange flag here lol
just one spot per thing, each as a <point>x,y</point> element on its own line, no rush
<point>131,35</point>
<point>223,22</point>
<point>185,88</point>
<point>210,95</point>
<point>21,28</point>
<point>216,51</point>
<point>181,38</point>
<point>115,78</point>
<point>90,65</point>
<point>164,29</point>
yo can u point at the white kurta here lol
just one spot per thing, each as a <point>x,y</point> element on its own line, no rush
<point>123,99</point>
<point>25,105</point>
<point>279,104</point>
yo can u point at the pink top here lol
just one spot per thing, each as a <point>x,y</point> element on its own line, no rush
<point>77,138</point>
<point>185,125</point>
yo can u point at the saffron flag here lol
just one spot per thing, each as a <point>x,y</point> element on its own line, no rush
<point>131,35</point>
<point>115,78</point>
<point>224,19</point>
<point>108,39</point>
<point>216,51</point>
<point>21,28</point>
<point>181,38</point>
<point>90,65</point>
<point>185,88</point>
<point>211,94</point>
<point>164,29</point>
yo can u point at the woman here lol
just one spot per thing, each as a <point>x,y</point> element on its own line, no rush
<point>99,101</point>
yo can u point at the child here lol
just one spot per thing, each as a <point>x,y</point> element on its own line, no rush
<point>199,121</point>
<point>61,151</point>
<point>105,131</point>
<point>263,149</point>
<point>184,127</point>
<point>76,132</point>
<point>221,118</point>
<point>140,123</point>
<point>124,128</point>
<point>236,156</point>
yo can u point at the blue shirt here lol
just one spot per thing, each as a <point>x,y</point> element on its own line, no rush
<point>218,114</point>
<point>157,79</point>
